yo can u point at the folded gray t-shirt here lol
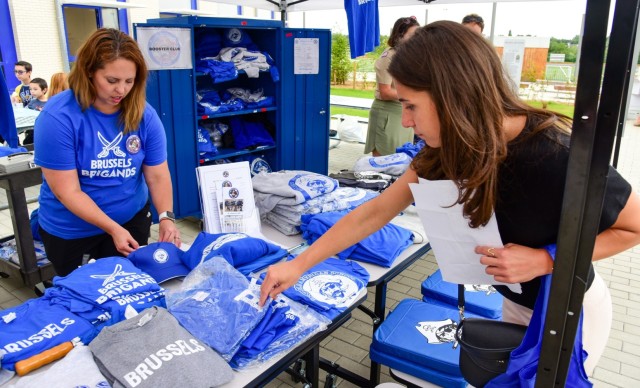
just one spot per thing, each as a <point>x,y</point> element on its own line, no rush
<point>153,350</point>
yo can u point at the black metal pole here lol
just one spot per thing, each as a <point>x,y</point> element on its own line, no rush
<point>631,67</point>
<point>594,127</point>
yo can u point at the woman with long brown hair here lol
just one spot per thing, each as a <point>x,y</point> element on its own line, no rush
<point>507,159</point>
<point>103,153</point>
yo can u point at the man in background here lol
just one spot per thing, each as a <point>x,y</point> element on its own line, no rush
<point>474,22</point>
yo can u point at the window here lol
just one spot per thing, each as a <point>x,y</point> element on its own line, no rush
<point>82,21</point>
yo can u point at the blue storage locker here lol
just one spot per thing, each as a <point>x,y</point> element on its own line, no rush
<point>300,116</point>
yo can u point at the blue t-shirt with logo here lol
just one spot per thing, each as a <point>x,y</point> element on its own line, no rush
<point>112,284</point>
<point>329,287</point>
<point>108,162</point>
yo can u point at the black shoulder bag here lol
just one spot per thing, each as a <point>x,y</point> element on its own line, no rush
<point>485,345</point>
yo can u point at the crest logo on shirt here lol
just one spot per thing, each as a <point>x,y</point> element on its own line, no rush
<point>312,185</point>
<point>117,272</point>
<point>133,144</point>
<point>110,146</point>
<point>438,332</point>
<point>331,287</point>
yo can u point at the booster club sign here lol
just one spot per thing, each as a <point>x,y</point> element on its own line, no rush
<point>165,48</point>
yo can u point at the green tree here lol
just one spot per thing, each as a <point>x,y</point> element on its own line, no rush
<point>375,54</point>
<point>340,63</point>
<point>564,46</point>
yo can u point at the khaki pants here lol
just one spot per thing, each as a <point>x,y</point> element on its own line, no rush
<point>596,323</point>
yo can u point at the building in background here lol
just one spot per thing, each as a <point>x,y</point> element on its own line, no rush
<point>48,33</point>
<point>533,59</point>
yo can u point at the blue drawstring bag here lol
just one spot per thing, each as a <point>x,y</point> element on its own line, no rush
<point>523,364</point>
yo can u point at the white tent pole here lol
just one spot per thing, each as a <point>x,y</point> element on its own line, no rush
<point>493,22</point>
<point>426,16</point>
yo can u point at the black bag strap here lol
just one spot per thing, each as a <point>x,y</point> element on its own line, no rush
<point>461,301</point>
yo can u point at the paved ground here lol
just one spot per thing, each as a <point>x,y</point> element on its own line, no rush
<point>349,345</point>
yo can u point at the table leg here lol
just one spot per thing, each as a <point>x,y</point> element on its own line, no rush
<point>312,359</point>
<point>379,310</point>
<point>22,231</point>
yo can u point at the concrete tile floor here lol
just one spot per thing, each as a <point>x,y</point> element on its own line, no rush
<point>349,345</point>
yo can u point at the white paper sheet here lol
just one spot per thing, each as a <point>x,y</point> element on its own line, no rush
<point>452,239</point>
<point>306,56</point>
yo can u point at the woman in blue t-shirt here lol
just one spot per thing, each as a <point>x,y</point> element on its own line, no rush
<point>103,155</point>
<point>505,157</point>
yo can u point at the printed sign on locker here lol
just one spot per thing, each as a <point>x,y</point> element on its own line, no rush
<point>165,48</point>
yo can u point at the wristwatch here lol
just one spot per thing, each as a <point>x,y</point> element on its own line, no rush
<point>168,215</point>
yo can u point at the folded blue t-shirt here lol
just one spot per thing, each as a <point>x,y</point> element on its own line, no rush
<point>380,248</point>
<point>329,287</point>
<point>113,284</point>
<point>37,325</point>
<point>242,251</point>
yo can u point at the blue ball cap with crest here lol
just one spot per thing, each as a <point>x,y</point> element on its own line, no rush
<point>161,260</point>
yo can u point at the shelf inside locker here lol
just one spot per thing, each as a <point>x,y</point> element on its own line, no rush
<point>238,112</point>
<point>232,152</point>
<point>240,74</point>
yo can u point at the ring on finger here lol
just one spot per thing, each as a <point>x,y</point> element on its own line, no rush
<point>491,252</point>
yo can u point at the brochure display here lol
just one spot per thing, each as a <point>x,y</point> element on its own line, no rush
<point>226,194</point>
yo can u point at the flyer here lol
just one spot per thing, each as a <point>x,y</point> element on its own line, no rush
<point>226,195</point>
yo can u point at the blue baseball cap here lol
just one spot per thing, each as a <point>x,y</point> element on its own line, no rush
<point>161,260</point>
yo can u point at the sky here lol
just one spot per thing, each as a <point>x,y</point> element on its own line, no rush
<point>558,19</point>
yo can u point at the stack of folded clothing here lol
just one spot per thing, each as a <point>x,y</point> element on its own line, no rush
<point>288,218</point>
<point>245,253</point>
<point>288,188</point>
<point>106,292</point>
<point>219,306</point>
<point>208,43</point>
<point>394,164</point>
<point>380,248</point>
<point>211,102</point>
<point>219,71</point>
<point>206,148</point>
<point>369,180</point>
<point>153,350</point>
<point>329,287</point>
<point>285,324</point>
<point>9,252</point>
<point>38,325</point>
<point>251,99</point>
<point>249,134</point>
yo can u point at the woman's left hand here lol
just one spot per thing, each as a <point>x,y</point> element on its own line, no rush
<point>515,263</point>
<point>168,232</point>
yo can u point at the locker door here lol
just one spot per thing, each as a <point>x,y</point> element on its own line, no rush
<point>304,100</point>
